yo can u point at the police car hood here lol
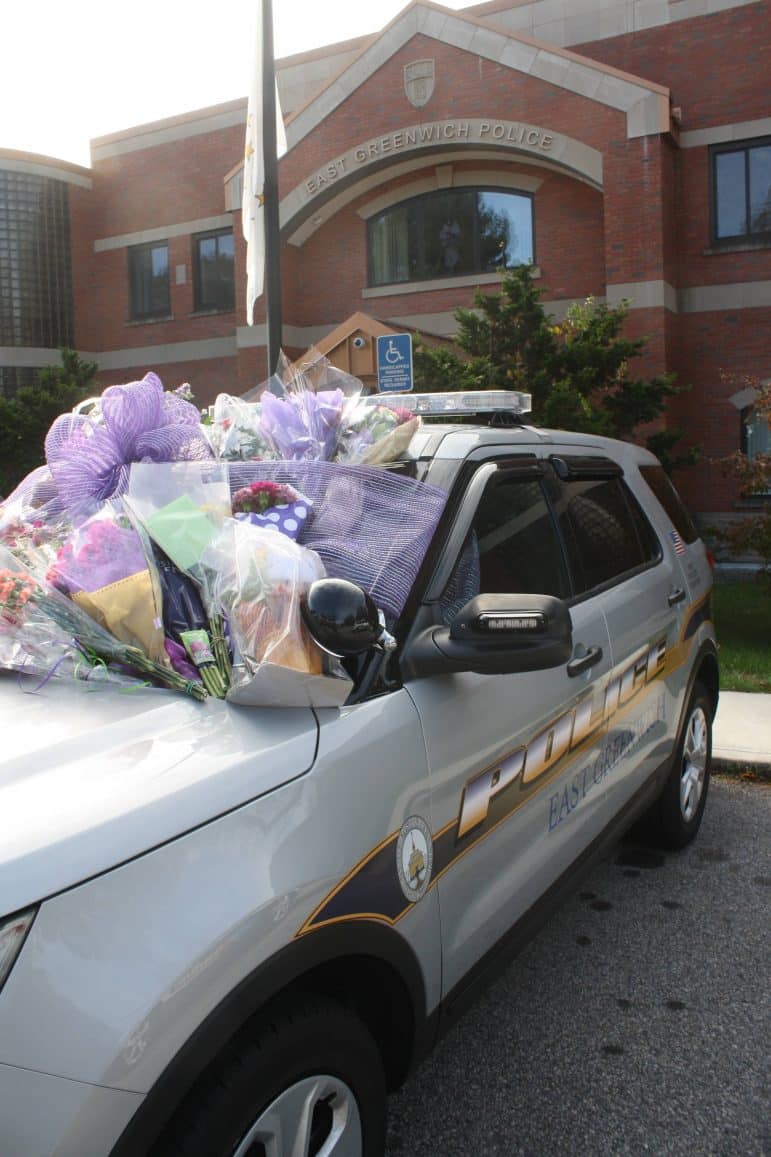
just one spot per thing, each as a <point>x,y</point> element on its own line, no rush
<point>92,778</point>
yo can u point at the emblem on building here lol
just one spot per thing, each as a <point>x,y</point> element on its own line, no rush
<point>419,82</point>
<point>414,858</point>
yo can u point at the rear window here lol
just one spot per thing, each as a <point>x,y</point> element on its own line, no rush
<point>662,487</point>
<point>605,532</point>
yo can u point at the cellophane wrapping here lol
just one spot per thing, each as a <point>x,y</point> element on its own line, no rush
<point>257,579</point>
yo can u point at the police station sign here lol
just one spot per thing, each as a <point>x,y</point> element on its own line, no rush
<point>479,132</point>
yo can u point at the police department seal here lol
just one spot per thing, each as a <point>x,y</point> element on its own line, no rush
<point>414,858</point>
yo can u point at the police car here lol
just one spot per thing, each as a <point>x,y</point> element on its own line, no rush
<point>230,932</point>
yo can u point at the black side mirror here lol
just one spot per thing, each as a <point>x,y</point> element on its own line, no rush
<point>495,635</point>
<point>343,619</point>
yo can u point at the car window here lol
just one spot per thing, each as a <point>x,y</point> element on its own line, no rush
<point>513,547</point>
<point>606,534</point>
<point>662,486</point>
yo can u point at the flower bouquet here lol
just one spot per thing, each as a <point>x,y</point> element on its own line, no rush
<point>290,456</point>
<point>33,614</point>
<point>258,579</point>
<point>188,641</point>
<point>376,434</point>
<point>234,430</point>
<point>180,505</point>
<point>273,506</point>
<point>33,541</point>
<point>103,568</point>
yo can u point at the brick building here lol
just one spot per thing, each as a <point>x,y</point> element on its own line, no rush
<point>622,146</point>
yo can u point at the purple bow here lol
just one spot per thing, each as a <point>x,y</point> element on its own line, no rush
<point>140,423</point>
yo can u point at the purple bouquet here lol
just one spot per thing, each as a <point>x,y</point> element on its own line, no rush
<point>303,425</point>
<point>103,568</point>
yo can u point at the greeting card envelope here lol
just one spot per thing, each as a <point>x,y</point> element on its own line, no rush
<point>182,531</point>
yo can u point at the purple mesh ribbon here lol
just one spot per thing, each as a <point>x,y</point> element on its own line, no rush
<point>140,423</point>
<point>369,525</point>
<point>37,496</point>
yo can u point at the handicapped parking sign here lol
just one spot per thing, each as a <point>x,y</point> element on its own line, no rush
<point>394,363</point>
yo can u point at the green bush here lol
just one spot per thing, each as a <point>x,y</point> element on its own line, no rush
<point>576,370</point>
<point>27,415</point>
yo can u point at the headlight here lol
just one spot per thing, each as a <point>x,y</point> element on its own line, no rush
<point>13,932</point>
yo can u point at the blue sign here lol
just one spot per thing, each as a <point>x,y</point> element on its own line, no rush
<point>394,363</point>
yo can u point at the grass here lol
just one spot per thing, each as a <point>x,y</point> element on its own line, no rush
<point>743,626</point>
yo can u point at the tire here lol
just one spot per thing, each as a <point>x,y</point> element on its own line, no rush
<point>675,818</point>
<point>309,1073</point>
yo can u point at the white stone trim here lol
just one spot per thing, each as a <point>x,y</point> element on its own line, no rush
<point>724,134</point>
<point>512,179</point>
<point>444,324</point>
<point>644,295</point>
<point>158,355</point>
<point>744,398</point>
<point>640,294</point>
<point>376,179</point>
<point>51,171</point>
<point>498,138</point>
<point>296,336</point>
<point>162,232</point>
<point>27,357</point>
<point>164,133</point>
<point>566,22</point>
<point>581,76</point>
<point>464,282</point>
<point>716,298</point>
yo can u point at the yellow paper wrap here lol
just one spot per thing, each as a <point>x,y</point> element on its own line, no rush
<point>127,609</point>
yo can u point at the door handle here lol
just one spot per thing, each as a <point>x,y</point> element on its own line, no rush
<point>576,666</point>
<point>676,596</point>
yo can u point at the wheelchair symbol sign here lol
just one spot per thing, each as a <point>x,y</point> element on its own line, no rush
<point>394,363</point>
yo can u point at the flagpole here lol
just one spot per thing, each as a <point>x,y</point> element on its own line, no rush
<point>272,237</point>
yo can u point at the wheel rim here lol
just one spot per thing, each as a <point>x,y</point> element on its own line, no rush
<point>694,764</point>
<point>316,1117</point>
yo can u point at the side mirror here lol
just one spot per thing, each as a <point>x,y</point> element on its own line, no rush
<point>343,619</point>
<point>495,635</point>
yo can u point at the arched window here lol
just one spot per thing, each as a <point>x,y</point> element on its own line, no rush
<point>450,233</point>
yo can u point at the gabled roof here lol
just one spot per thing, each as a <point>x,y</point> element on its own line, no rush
<point>646,104</point>
<point>356,323</point>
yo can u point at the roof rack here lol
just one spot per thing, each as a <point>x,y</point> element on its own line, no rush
<point>458,403</point>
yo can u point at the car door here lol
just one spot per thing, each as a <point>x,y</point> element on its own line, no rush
<point>513,756</point>
<point>615,558</point>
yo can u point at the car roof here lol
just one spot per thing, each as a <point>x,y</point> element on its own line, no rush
<point>456,442</point>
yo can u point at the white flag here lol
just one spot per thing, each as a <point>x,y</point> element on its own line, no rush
<point>253,199</point>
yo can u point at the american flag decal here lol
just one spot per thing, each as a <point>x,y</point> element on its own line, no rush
<point>677,542</point>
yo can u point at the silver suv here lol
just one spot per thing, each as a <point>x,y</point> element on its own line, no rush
<point>229,931</point>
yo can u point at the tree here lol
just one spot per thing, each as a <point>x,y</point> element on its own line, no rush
<point>751,535</point>
<point>26,416</point>
<point>577,371</point>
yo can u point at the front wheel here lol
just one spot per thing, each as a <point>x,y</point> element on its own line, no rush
<point>675,818</point>
<point>307,1082</point>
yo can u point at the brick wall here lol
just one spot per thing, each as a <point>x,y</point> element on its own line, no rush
<point>650,223</point>
<point>713,65</point>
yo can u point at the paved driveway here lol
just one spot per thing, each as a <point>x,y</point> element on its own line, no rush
<point>638,1021</point>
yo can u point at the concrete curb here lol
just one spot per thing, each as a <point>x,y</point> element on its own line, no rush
<point>742,769</point>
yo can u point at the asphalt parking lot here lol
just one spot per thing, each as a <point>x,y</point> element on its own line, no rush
<point>638,1021</point>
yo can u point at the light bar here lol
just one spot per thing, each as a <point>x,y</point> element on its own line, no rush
<point>458,402</point>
